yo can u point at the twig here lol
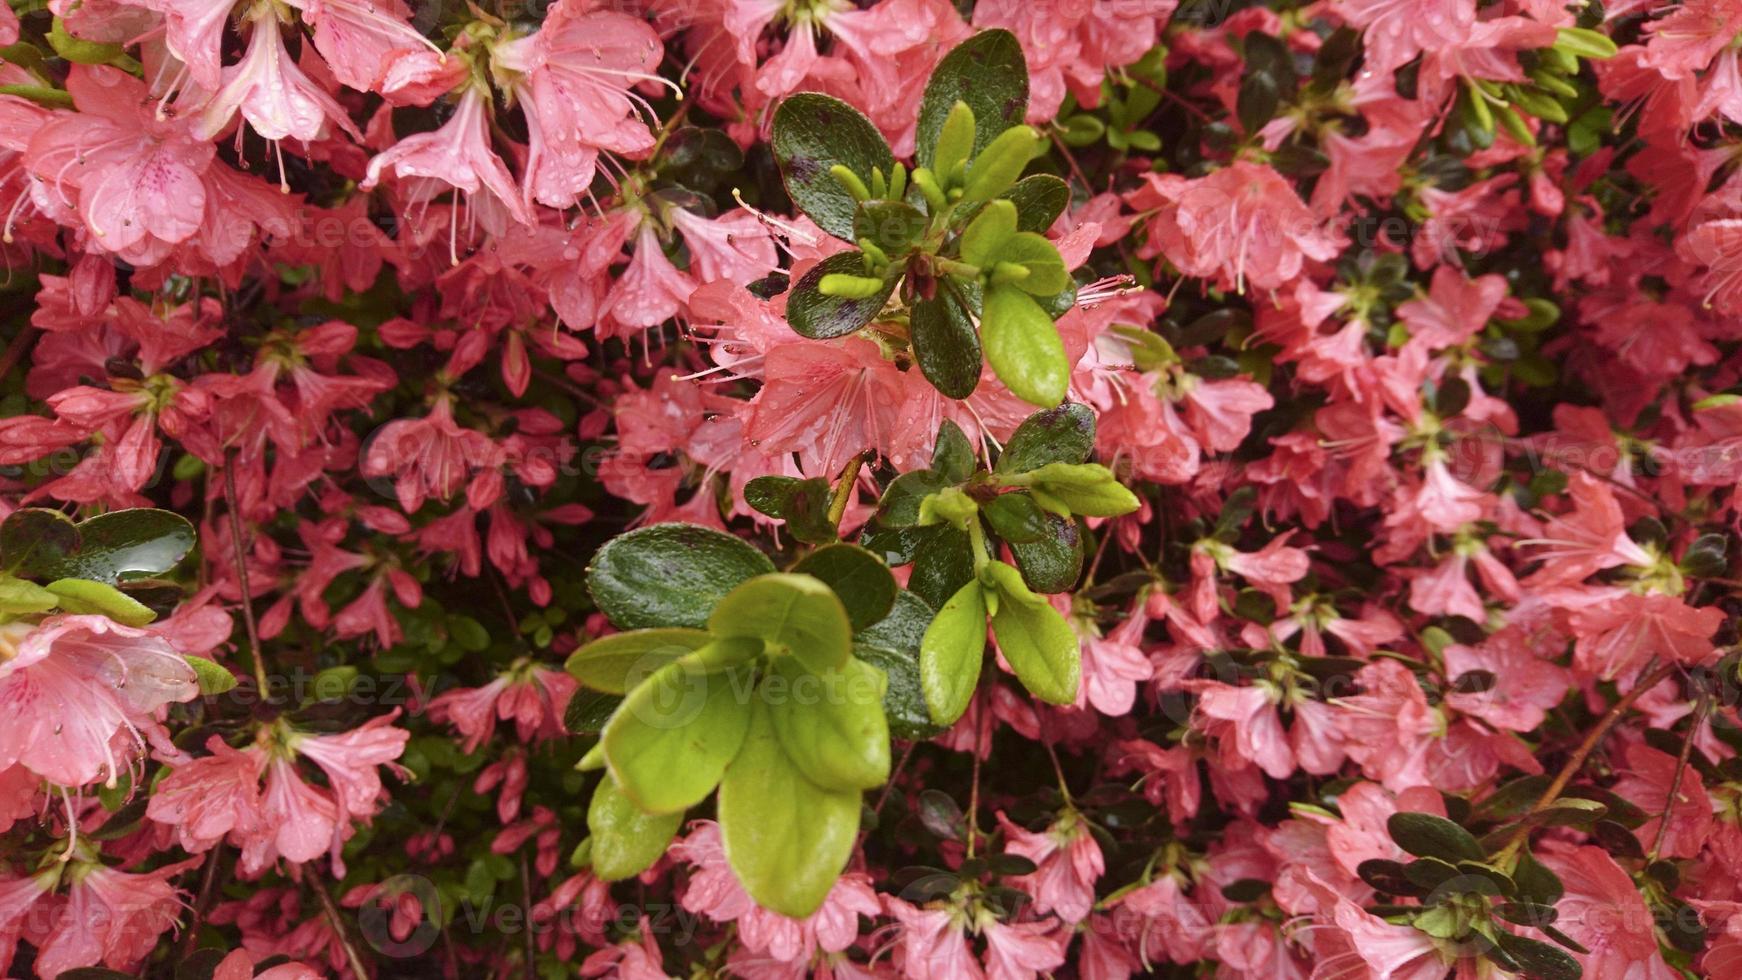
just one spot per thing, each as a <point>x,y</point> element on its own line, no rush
<point>526,900</point>
<point>241,554</point>
<point>1675,781</point>
<point>208,882</point>
<point>353,958</point>
<point>1583,752</point>
<point>974,789</point>
<point>16,350</point>
<point>844,491</point>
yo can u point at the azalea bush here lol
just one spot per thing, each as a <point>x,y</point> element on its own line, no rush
<point>871,488</point>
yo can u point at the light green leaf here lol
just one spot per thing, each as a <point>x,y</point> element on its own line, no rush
<point>951,653</point>
<point>955,142</point>
<point>787,838</point>
<point>796,614</point>
<point>1040,646</point>
<point>674,734</point>
<point>1000,163</point>
<point>1023,347</point>
<point>1046,273</point>
<point>1088,489</point>
<point>79,595</point>
<point>626,839</point>
<point>988,232</point>
<point>831,723</point>
<point>616,663</point>
<point>18,597</point>
<point>212,678</point>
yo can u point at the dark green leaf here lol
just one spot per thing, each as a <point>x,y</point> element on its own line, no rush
<point>820,317</point>
<point>1536,883</point>
<point>893,226</point>
<point>1708,556</point>
<point>1538,960</point>
<point>1054,562</point>
<point>901,499</point>
<point>44,544</point>
<point>945,345</point>
<point>859,579</point>
<point>952,455</point>
<point>989,73</point>
<point>588,711</point>
<point>903,700</point>
<point>802,504</point>
<point>1065,434</point>
<point>814,132</point>
<point>1387,877</point>
<point>669,574</point>
<point>1426,835</point>
<point>1017,518</point>
<point>1039,200</point>
<point>943,564</point>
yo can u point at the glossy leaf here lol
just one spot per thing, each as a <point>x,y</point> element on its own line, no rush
<point>859,579</point>
<point>987,72</point>
<point>945,346</point>
<point>669,574</point>
<point>1039,199</point>
<point>1065,434</point>
<point>819,316</point>
<point>45,544</point>
<point>814,132</point>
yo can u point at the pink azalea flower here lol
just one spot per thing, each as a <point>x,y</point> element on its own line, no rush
<point>1068,863</point>
<point>533,696</point>
<point>1242,223</point>
<point>1646,781</point>
<point>1023,950</point>
<point>136,182</point>
<point>272,93</point>
<point>79,696</point>
<point>1603,911</point>
<point>1615,638</point>
<point>456,157</point>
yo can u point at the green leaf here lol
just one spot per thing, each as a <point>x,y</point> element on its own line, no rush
<point>669,574</point>
<point>84,596</point>
<point>589,711</point>
<point>1000,163</point>
<point>626,839</point>
<point>1040,646</point>
<point>955,142</point>
<point>1033,253</point>
<point>819,316</point>
<point>45,544</point>
<point>987,233</point>
<point>674,735</point>
<point>213,678</point>
<point>904,627</point>
<point>814,132</point>
<point>831,723</point>
<point>1538,960</point>
<point>787,838</point>
<point>859,579</point>
<point>1040,199</point>
<point>80,51</point>
<point>794,614</point>
<point>901,499</point>
<point>1535,881</point>
<point>1088,489</point>
<point>945,345</point>
<point>952,455</point>
<point>1016,517</point>
<point>892,646</point>
<point>951,652</point>
<point>802,504</point>
<point>18,597</point>
<point>1065,434</point>
<point>1024,347</point>
<point>893,226</point>
<point>1055,562</point>
<point>1585,43</point>
<point>942,563</point>
<point>1426,835</point>
<point>617,663</point>
<point>989,73</point>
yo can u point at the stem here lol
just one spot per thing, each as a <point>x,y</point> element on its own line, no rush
<point>241,555</point>
<point>974,789</point>
<point>844,491</point>
<point>208,882</point>
<point>16,350</point>
<point>1675,781</point>
<point>1582,753</point>
<point>353,958</point>
<point>526,900</point>
<point>1059,771</point>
